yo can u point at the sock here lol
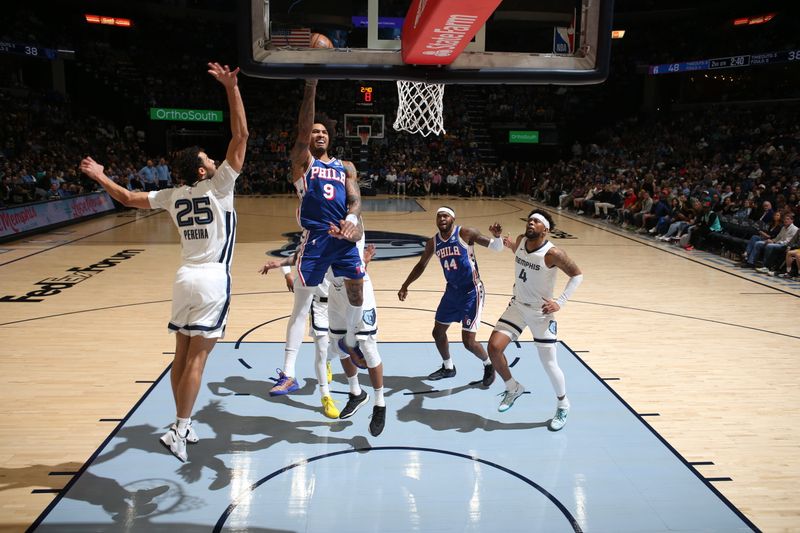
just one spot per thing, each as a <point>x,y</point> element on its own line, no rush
<point>511,385</point>
<point>324,390</point>
<point>563,404</point>
<point>355,388</point>
<point>183,425</point>
<point>379,398</point>
<point>486,362</point>
<point>448,364</point>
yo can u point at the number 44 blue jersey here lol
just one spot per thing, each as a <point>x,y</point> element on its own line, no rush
<point>458,261</point>
<point>323,195</point>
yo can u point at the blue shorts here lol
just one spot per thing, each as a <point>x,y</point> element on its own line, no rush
<point>460,305</point>
<point>319,251</point>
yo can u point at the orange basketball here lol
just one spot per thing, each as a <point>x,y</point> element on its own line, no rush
<point>320,41</point>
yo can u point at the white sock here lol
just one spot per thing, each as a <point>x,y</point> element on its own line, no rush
<point>324,389</point>
<point>295,329</point>
<point>547,354</point>
<point>355,388</point>
<point>448,364</point>
<point>563,404</point>
<point>486,362</point>
<point>183,425</point>
<point>379,398</point>
<point>511,385</point>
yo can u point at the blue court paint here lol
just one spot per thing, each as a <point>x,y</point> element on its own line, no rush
<point>447,460</point>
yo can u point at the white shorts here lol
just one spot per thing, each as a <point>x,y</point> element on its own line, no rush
<point>337,305</point>
<point>518,316</point>
<point>201,298</point>
<point>318,317</point>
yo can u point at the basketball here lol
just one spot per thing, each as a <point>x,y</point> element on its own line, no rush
<point>320,41</point>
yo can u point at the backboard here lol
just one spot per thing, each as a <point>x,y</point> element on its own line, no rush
<point>522,42</point>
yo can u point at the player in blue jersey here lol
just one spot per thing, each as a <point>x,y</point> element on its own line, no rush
<point>463,297</point>
<point>330,204</point>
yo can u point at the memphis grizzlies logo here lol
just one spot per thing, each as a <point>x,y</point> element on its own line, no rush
<point>553,327</point>
<point>369,316</point>
<point>388,245</point>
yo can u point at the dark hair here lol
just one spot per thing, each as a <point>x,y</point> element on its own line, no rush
<point>546,215</point>
<point>327,122</point>
<point>186,163</point>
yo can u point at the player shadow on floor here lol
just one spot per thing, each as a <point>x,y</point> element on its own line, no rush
<point>452,420</point>
<point>224,426</point>
<point>36,476</point>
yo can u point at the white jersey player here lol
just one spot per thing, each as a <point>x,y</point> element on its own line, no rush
<point>533,306</point>
<point>203,212</point>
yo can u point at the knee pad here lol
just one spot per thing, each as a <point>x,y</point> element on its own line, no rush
<point>369,347</point>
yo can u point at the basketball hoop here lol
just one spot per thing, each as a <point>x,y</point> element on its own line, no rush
<point>420,107</point>
<point>364,135</point>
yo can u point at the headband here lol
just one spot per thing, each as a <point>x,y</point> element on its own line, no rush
<point>541,219</point>
<point>446,210</point>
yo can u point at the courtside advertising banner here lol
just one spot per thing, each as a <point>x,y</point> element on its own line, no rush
<point>18,220</point>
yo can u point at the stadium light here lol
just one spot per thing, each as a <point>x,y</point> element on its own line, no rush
<point>108,21</point>
<point>751,21</point>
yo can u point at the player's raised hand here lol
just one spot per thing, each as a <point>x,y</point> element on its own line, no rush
<point>92,168</point>
<point>496,229</point>
<point>508,243</point>
<point>224,74</point>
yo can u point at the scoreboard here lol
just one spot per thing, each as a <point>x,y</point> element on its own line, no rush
<point>767,58</point>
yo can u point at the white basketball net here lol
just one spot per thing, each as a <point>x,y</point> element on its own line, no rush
<point>420,107</point>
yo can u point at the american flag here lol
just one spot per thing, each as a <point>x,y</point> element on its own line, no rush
<point>291,37</point>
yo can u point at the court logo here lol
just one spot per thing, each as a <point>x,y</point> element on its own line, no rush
<point>388,245</point>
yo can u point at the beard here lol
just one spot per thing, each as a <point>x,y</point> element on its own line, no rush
<point>531,233</point>
<point>447,229</point>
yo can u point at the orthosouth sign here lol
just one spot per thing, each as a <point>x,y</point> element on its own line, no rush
<point>186,115</point>
<point>388,245</point>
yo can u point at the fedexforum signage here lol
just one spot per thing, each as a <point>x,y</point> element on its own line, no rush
<point>186,115</point>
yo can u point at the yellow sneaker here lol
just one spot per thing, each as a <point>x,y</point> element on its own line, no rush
<point>329,407</point>
<point>330,372</point>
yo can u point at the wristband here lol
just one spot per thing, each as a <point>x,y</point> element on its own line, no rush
<point>286,270</point>
<point>352,218</point>
<point>496,244</point>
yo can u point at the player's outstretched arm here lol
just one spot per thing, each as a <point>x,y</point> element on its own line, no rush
<point>95,171</point>
<point>349,227</point>
<point>512,245</point>
<point>473,236</point>
<point>417,271</point>
<point>301,157</point>
<point>558,258</point>
<point>238,145</point>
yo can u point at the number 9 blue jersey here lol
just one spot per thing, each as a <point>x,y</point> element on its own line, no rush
<point>323,195</point>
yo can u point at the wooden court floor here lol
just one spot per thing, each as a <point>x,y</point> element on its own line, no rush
<point>709,349</point>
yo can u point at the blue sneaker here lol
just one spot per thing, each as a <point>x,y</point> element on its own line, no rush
<point>356,356</point>
<point>285,385</point>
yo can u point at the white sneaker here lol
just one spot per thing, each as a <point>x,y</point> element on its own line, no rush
<point>175,444</point>
<point>509,397</point>
<point>191,435</point>
<point>559,419</point>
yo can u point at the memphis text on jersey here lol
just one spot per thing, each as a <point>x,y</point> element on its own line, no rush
<point>526,264</point>
<point>447,251</point>
<point>194,234</point>
<point>330,174</point>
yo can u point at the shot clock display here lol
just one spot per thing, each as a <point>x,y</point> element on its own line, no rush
<point>365,95</point>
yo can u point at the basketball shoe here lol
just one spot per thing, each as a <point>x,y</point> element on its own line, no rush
<point>191,435</point>
<point>285,385</point>
<point>175,444</point>
<point>354,403</point>
<point>509,397</point>
<point>559,419</point>
<point>442,373</point>
<point>378,420</point>
<point>488,375</point>
<point>329,407</point>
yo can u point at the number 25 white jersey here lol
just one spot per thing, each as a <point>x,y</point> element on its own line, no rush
<point>204,216</point>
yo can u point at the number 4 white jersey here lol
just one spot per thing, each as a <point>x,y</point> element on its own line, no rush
<point>204,216</point>
<point>534,279</point>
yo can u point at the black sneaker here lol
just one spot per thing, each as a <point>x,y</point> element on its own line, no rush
<point>442,373</point>
<point>353,404</point>
<point>488,375</point>
<point>378,420</point>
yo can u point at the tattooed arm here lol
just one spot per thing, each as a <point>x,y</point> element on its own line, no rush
<point>559,258</point>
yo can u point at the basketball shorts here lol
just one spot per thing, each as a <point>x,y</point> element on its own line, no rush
<point>337,310</point>
<point>201,298</point>
<point>458,305</point>
<point>318,316</point>
<point>319,251</point>
<point>518,316</point>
